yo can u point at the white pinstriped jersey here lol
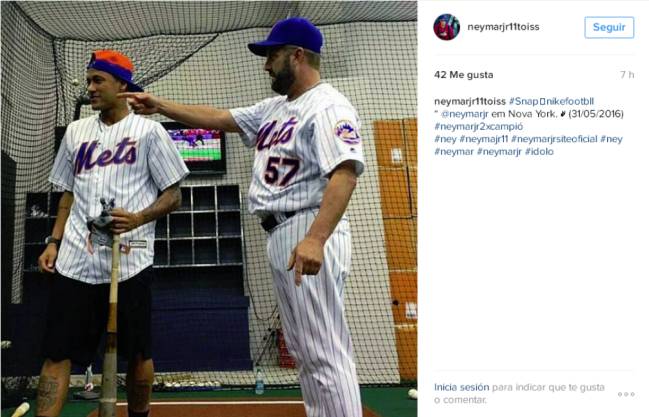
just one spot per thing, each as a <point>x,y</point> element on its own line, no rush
<point>297,144</point>
<point>128,161</point>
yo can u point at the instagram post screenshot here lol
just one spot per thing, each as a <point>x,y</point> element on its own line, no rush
<point>324,208</point>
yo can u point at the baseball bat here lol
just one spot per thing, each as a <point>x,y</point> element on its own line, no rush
<point>108,400</point>
<point>21,411</point>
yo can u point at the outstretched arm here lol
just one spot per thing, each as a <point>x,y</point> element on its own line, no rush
<point>308,255</point>
<point>192,115</point>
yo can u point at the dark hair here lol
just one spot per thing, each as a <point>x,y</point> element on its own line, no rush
<point>312,58</point>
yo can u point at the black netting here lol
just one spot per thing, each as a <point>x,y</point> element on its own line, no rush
<point>29,104</point>
<point>129,20</point>
<point>195,53</point>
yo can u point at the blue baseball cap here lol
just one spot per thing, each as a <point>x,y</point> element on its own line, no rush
<point>296,31</point>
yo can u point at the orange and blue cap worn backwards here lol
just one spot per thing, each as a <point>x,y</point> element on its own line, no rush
<point>116,64</point>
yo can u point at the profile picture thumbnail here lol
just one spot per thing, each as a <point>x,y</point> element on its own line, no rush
<point>447,27</point>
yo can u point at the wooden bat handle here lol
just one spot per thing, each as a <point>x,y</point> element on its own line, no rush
<point>21,411</point>
<point>108,400</point>
<point>114,279</point>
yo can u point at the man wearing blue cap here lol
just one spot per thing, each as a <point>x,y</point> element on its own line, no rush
<point>308,156</point>
<point>114,155</point>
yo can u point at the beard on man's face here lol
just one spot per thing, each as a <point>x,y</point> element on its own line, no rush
<point>283,79</point>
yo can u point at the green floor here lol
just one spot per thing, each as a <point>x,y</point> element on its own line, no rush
<point>386,402</point>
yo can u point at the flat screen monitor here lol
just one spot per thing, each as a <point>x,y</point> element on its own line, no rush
<point>203,150</point>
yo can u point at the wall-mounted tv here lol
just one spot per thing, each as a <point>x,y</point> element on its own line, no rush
<point>203,150</point>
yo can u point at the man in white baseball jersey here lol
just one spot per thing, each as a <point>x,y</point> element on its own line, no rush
<point>113,155</point>
<point>307,156</point>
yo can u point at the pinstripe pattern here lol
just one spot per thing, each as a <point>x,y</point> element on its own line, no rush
<point>309,130</point>
<point>313,319</point>
<point>129,161</point>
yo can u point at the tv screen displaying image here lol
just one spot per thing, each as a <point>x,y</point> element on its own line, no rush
<point>203,150</point>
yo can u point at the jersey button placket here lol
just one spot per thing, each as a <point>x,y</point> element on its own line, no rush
<point>100,149</point>
<point>94,260</point>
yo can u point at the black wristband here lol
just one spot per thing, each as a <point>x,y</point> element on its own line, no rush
<point>51,239</point>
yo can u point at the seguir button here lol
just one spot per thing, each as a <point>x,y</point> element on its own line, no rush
<point>609,27</point>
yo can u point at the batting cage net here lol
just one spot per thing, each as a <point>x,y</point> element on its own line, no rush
<point>216,320</point>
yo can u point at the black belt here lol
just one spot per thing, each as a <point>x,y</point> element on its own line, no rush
<point>270,222</point>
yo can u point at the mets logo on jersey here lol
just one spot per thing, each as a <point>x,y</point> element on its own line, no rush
<point>269,136</point>
<point>346,131</point>
<point>125,153</point>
